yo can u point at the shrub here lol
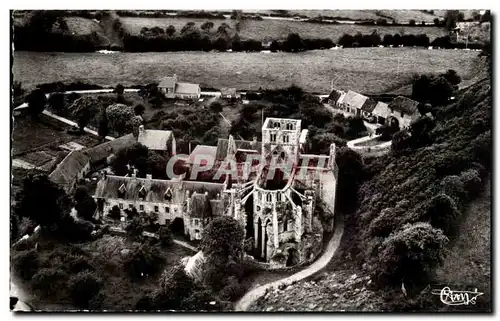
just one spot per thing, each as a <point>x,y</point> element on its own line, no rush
<point>83,287</point>
<point>409,254</point>
<point>144,260</point>
<point>48,280</point>
<point>115,212</point>
<point>454,187</point>
<point>232,291</point>
<point>165,236</point>
<point>472,183</point>
<point>223,237</point>
<point>443,213</point>
<point>25,263</point>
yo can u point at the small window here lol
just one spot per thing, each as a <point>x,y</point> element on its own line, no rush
<point>278,197</point>
<point>269,197</point>
<point>120,205</point>
<point>167,209</point>
<point>156,209</point>
<point>130,206</point>
<point>196,222</point>
<point>273,137</point>
<point>285,139</point>
<point>141,207</point>
<point>258,208</point>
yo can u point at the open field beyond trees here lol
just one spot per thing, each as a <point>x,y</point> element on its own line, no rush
<point>367,70</point>
<point>267,30</point>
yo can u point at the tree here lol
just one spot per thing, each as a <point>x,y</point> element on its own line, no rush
<point>435,90</point>
<point>84,109</point>
<point>356,126</point>
<point>157,165</point>
<point>144,260</point>
<point>220,44</point>
<point>452,77</point>
<point>41,200</point>
<point>472,183</point>
<point>135,155</point>
<point>216,107</point>
<point>451,18</point>
<point>102,129</point>
<point>486,16</point>
<point>135,227</point>
<point>85,204</point>
<point>139,109</point>
<point>188,27</point>
<point>56,102</point>
<point>437,22</point>
<point>293,43</point>
<point>36,102</point>
<point>119,89</point>
<point>48,280</point>
<point>350,175</point>
<point>165,236</point>
<point>175,287</point>
<point>115,213</point>
<point>83,287</point>
<point>275,46</point>
<point>170,31</point>
<point>17,89</point>
<point>409,254</point>
<point>412,22</point>
<point>346,40</point>
<point>400,141</point>
<point>223,237</point>
<point>119,118</point>
<point>207,26</point>
<point>442,213</point>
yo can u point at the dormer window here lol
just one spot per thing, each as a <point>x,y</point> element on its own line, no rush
<point>289,126</point>
<point>276,125</point>
<point>121,191</point>
<point>168,195</point>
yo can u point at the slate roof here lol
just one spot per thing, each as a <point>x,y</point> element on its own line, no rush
<point>167,82</point>
<point>223,143</point>
<point>369,105</point>
<point>187,88</point>
<point>154,139</point>
<point>381,110</point>
<point>354,99</point>
<point>335,95</point>
<point>404,105</point>
<point>102,151</point>
<point>66,172</point>
<point>202,150</point>
<point>155,189</point>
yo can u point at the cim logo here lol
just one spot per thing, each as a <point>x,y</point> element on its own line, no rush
<point>451,297</point>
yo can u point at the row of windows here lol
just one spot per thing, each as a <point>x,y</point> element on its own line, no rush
<point>286,139</point>
<point>269,198</point>
<point>141,208</point>
<point>288,126</point>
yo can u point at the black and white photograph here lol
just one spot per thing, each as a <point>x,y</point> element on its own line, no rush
<point>250,160</point>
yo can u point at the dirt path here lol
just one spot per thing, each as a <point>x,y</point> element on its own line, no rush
<point>244,303</point>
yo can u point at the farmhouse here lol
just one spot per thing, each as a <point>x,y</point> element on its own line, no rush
<point>404,110</point>
<point>351,103</point>
<point>381,112</point>
<point>171,88</point>
<point>162,141</point>
<point>229,93</point>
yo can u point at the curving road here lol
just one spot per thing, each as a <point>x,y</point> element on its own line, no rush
<point>244,303</point>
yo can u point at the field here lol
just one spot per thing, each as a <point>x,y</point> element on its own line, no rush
<point>367,70</point>
<point>279,29</point>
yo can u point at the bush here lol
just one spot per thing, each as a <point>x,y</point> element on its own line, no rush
<point>115,212</point>
<point>409,254</point>
<point>223,237</point>
<point>472,183</point>
<point>83,287</point>
<point>454,187</point>
<point>232,291</point>
<point>25,264</point>
<point>165,236</point>
<point>145,260</point>
<point>48,280</point>
<point>443,213</point>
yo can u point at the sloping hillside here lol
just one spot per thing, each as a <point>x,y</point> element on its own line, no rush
<point>447,161</point>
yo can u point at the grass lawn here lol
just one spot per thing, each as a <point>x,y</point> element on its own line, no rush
<point>366,70</point>
<point>279,29</point>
